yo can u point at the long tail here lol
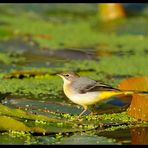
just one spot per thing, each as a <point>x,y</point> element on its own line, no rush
<point>107,94</point>
<point>129,92</point>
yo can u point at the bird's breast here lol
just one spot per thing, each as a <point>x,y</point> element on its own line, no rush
<point>81,99</point>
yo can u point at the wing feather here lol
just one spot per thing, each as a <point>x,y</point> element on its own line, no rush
<point>98,86</point>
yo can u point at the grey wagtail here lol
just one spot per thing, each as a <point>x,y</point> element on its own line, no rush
<point>85,91</point>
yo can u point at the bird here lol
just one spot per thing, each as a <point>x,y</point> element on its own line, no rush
<point>85,91</point>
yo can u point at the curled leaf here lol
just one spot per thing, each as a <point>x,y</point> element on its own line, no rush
<point>111,11</point>
<point>134,83</point>
<point>8,123</point>
<point>138,107</point>
<point>139,103</point>
<point>139,135</point>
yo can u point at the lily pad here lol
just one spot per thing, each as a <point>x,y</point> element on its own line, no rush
<point>32,122</point>
<point>8,123</point>
<point>138,106</point>
<point>86,139</point>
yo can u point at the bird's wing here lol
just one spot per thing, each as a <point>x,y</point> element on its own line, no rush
<point>98,86</point>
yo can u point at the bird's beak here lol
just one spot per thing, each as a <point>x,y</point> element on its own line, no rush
<point>59,74</point>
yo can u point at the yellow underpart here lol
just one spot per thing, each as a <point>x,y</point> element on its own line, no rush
<point>107,94</point>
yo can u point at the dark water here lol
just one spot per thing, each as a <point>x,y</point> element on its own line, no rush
<point>134,136</point>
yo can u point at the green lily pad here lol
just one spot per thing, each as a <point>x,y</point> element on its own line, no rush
<point>36,123</point>
<point>45,107</point>
<point>83,139</point>
<point>31,122</point>
<point>8,123</point>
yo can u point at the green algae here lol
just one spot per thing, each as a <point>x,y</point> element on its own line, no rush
<point>123,116</point>
<point>25,138</point>
<point>35,88</point>
<point>5,34</point>
<point>67,35</point>
<point>11,58</point>
<point>48,83</point>
<point>109,66</point>
<point>112,65</point>
<point>16,137</point>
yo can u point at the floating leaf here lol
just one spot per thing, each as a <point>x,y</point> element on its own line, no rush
<point>139,103</point>
<point>111,11</point>
<point>37,106</point>
<point>8,123</point>
<point>139,135</point>
<point>33,122</point>
<point>138,107</point>
<point>134,83</point>
<point>77,139</point>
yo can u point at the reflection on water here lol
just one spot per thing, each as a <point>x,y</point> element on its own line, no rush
<point>133,136</point>
<point>139,135</point>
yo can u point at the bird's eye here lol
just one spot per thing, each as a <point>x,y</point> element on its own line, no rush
<point>67,75</point>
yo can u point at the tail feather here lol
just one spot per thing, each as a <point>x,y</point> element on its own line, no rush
<point>129,92</point>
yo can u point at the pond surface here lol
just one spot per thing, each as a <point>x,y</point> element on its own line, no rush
<point>39,41</point>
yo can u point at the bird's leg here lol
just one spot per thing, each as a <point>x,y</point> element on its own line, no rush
<point>85,109</point>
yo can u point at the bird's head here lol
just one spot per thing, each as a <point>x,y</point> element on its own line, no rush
<point>68,77</point>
